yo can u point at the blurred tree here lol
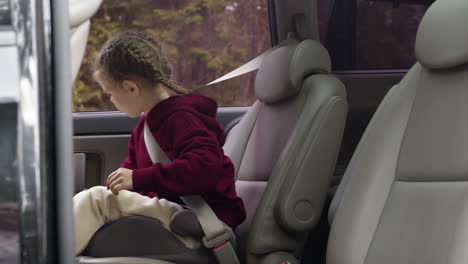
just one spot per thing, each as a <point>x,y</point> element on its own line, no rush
<point>203,39</point>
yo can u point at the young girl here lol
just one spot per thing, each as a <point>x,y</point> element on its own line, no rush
<point>132,70</point>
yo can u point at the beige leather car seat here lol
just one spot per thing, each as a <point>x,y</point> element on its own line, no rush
<point>284,150</point>
<point>404,196</point>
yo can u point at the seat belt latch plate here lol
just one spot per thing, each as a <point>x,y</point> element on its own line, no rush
<point>225,253</point>
<point>217,240</point>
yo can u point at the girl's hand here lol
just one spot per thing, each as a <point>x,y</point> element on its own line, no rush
<point>121,179</point>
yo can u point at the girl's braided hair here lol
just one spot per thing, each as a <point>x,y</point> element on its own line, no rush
<point>132,53</point>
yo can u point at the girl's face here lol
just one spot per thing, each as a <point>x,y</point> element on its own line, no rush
<point>122,96</point>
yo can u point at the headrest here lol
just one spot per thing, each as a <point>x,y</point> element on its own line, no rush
<point>82,10</point>
<point>282,71</point>
<point>442,39</point>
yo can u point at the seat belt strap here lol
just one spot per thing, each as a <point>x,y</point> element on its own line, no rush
<point>154,150</point>
<point>252,65</point>
<point>217,237</point>
<point>211,225</point>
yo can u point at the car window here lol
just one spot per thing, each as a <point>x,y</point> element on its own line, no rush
<point>368,34</point>
<point>203,39</point>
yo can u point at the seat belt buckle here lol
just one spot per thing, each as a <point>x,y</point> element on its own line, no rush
<point>217,241</point>
<point>222,248</point>
<point>225,253</point>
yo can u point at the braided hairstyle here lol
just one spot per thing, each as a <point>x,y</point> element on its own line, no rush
<point>132,53</point>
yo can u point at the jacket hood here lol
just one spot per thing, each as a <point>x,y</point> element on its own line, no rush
<point>201,106</point>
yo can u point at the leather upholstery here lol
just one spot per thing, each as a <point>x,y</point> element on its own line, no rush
<point>251,192</point>
<point>284,150</point>
<point>403,198</point>
<point>441,41</point>
<point>282,71</point>
<point>297,186</point>
<point>361,196</point>
<point>236,141</point>
<point>426,153</point>
<point>402,190</point>
<point>268,138</point>
<point>423,222</point>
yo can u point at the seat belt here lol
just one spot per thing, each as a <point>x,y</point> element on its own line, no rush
<point>216,237</point>
<point>251,65</point>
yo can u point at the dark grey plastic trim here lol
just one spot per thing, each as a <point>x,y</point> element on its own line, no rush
<point>114,122</point>
<point>227,114</point>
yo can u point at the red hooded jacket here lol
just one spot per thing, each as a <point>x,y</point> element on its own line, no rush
<point>186,129</point>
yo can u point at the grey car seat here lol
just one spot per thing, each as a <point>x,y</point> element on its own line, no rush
<point>404,197</point>
<point>284,151</point>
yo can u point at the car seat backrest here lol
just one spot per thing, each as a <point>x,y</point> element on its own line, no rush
<point>403,198</point>
<point>285,147</point>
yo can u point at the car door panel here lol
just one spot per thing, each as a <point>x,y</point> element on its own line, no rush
<point>103,138</point>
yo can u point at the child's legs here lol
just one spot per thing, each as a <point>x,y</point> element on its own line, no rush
<point>97,206</point>
<point>132,203</point>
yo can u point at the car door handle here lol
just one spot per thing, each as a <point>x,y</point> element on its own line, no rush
<point>79,171</point>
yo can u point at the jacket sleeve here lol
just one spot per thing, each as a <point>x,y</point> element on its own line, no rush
<point>198,159</point>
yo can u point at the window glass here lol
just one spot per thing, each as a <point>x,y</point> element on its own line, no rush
<point>370,35</point>
<point>203,40</point>
<point>9,207</point>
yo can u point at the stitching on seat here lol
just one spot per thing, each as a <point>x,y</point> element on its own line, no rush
<point>396,166</point>
<point>368,132</point>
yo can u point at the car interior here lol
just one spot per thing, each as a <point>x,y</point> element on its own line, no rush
<point>335,164</point>
<point>304,114</point>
